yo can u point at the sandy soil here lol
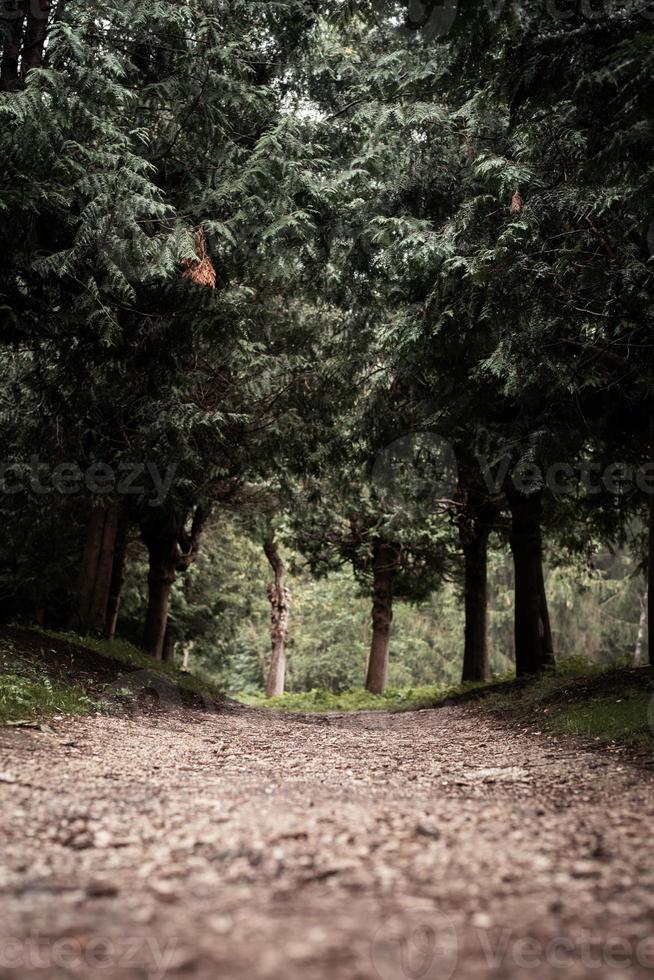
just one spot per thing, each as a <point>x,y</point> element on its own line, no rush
<point>246,844</point>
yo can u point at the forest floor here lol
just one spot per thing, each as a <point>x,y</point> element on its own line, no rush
<point>242,843</point>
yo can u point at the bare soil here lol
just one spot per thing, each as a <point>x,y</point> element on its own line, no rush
<point>247,844</point>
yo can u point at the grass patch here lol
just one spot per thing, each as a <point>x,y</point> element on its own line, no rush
<point>28,692</point>
<point>120,650</point>
<point>198,683</point>
<point>393,699</point>
<point>619,718</point>
<point>44,673</point>
<point>584,699</point>
<point>581,698</point>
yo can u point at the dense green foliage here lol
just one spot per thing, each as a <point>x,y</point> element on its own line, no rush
<point>357,278</point>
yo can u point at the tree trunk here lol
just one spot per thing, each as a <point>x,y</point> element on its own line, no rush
<point>384,562</point>
<point>526,548</point>
<point>90,557</point>
<point>547,648</point>
<point>650,561</point>
<point>476,666</point>
<point>161,576</point>
<point>642,623</point>
<point>117,576</point>
<point>279,597</point>
<point>35,35</point>
<point>95,574</point>
<point>171,549</point>
<point>168,649</point>
<point>11,50</point>
<point>100,599</point>
<point>185,656</point>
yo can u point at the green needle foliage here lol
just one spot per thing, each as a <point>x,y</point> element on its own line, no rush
<point>372,272</point>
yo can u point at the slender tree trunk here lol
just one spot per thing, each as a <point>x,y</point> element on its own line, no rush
<point>161,576</point>
<point>60,12</point>
<point>279,597</point>
<point>650,561</point>
<point>384,561</point>
<point>117,576</point>
<point>35,35</point>
<point>547,648</point>
<point>642,623</point>
<point>526,547</point>
<point>11,50</point>
<point>100,599</point>
<point>90,557</point>
<point>168,649</point>
<point>476,666</point>
<point>95,573</point>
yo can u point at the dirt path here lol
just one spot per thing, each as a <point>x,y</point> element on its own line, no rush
<point>244,844</point>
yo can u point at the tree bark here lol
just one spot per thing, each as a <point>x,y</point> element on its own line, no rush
<point>11,49</point>
<point>279,597</point>
<point>527,548</point>
<point>547,648</point>
<point>171,549</point>
<point>384,563</point>
<point>189,544</point>
<point>161,576</point>
<point>476,665</point>
<point>95,573</point>
<point>650,559</point>
<point>168,650</point>
<point>90,557</point>
<point>100,599</point>
<point>117,577</point>
<point>185,656</point>
<point>642,623</point>
<point>35,35</point>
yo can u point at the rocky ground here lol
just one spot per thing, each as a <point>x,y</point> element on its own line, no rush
<point>244,844</point>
